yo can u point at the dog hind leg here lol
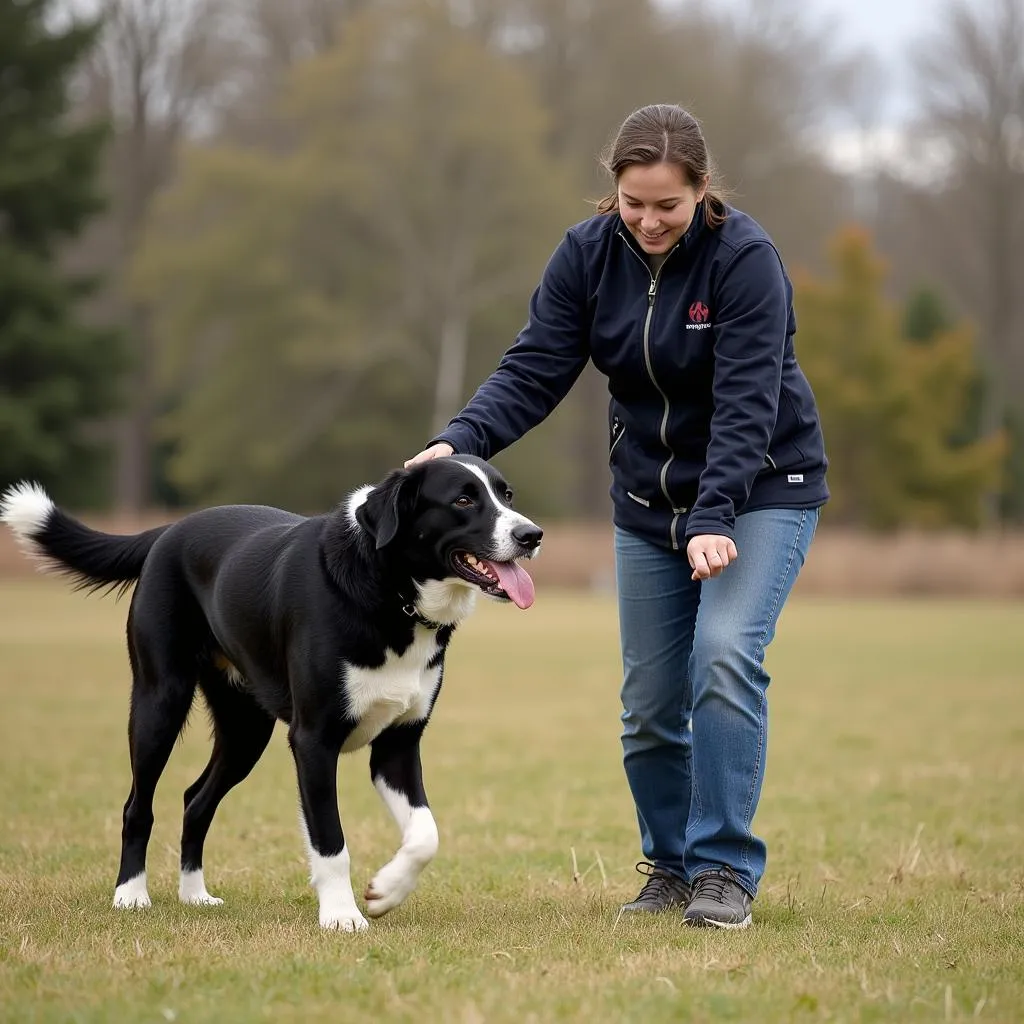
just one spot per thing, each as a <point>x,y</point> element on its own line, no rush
<point>398,777</point>
<point>162,693</point>
<point>241,732</point>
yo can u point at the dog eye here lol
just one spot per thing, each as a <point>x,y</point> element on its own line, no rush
<point>464,501</point>
<point>509,496</point>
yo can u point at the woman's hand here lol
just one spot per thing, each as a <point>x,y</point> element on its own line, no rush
<point>435,451</point>
<point>709,554</point>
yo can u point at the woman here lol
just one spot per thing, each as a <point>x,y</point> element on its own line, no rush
<point>716,452</point>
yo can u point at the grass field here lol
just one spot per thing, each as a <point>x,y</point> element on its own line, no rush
<point>893,809</point>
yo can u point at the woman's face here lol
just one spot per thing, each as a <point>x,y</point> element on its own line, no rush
<point>657,205</point>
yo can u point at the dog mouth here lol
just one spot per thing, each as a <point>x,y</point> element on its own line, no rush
<point>508,580</point>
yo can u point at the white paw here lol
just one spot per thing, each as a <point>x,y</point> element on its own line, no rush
<point>343,920</point>
<point>136,902</point>
<point>202,899</point>
<point>390,887</point>
<point>332,881</point>
<point>132,895</point>
<point>192,890</point>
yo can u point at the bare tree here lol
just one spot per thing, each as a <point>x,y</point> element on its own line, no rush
<point>971,81</point>
<point>284,33</point>
<point>161,70</point>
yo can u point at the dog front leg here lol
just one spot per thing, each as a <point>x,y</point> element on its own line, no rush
<point>316,764</point>
<point>398,777</point>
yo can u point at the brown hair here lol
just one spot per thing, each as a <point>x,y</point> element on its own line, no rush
<point>665,133</point>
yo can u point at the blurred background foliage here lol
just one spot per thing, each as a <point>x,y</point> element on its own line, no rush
<point>322,221</point>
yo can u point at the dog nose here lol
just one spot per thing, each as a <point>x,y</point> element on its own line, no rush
<point>527,534</point>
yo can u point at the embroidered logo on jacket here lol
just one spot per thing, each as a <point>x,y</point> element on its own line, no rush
<point>699,314</point>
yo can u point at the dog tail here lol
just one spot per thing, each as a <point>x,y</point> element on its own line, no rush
<point>91,559</point>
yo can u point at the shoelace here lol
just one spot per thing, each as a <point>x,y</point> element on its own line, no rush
<point>657,882</point>
<point>711,885</point>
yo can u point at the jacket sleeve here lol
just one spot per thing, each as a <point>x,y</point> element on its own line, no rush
<point>538,371</point>
<point>751,321</point>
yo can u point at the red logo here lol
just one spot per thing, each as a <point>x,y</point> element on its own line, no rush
<point>699,313</point>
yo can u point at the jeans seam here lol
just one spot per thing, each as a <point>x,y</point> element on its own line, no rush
<point>694,795</point>
<point>694,788</point>
<point>744,852</point>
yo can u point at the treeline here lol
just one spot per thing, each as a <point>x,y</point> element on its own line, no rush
<point>324,219</point>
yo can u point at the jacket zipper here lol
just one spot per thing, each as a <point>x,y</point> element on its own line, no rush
<point>663,433</point>
<point>618,437</point>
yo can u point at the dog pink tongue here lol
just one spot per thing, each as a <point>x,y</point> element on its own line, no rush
<point>515,581</point>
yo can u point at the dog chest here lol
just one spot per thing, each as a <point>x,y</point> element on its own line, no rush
<point>400,690</point>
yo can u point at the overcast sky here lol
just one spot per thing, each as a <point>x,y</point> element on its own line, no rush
<point>886,27</point>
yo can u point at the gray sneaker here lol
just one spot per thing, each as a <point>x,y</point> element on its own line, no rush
<point>718,901</point>
<point>661,891</point>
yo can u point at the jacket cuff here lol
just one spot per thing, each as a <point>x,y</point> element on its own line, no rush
<point>444,439</point>
<point>709,526</point>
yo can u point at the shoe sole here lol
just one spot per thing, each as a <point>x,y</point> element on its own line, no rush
<point>629,908</point>
<point>707,922</point>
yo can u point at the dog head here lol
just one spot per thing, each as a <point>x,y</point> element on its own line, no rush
<point>452,519</point>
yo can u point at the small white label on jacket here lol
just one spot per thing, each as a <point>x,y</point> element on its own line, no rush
<point>795,478</point>
<point>642,501</point>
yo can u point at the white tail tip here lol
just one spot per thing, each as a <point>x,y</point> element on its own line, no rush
<point>25,507</point>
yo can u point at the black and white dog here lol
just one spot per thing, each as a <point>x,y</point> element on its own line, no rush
<point>336,624</point>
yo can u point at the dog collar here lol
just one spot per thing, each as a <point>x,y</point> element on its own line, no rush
<point>410,609</point>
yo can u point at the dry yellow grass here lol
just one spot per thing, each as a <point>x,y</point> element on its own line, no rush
<point>893,808</point>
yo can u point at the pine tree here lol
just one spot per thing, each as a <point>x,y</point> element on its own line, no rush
<point>58,376</point>
<point>925,316</point>
<point>926,319</point>
<point>894,393</point>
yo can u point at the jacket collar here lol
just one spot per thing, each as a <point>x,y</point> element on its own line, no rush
<point>696,228</point>
<point>690,236</point>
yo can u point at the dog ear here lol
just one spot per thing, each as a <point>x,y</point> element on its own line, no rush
<point>382,512</point>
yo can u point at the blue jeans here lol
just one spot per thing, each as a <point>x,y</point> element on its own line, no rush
<point>695,719</point>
